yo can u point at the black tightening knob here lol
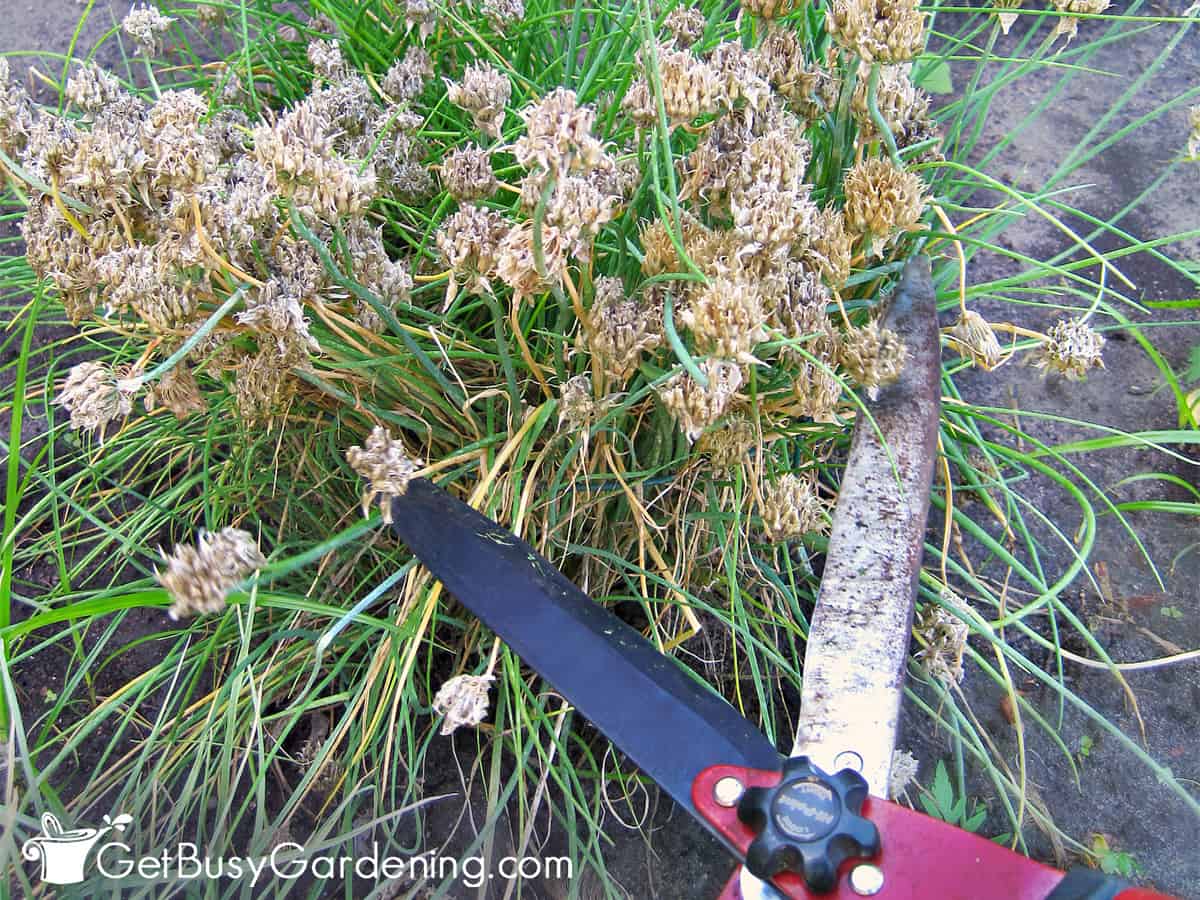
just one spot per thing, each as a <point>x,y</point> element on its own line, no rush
<point>808,823</point>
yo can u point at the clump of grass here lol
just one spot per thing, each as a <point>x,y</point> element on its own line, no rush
<point>614,275</point>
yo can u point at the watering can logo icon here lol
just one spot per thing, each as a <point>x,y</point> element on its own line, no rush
<point>64,852</point>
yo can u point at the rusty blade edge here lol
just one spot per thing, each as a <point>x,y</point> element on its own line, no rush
<point>858,643</point>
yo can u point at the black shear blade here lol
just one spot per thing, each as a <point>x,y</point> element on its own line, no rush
<point>666,721</point>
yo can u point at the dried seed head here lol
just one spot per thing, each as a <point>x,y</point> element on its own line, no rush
<point>177,391</point>
<point>1193,138</point>
<point>463,700</point>
<point>1006,19</point>
<point>264,384</point>
<point>780,59</point>
<point>200,578</point>
<point>904,107</point>
<point>467,173</point>
<point>407,77</point>
<point>686,24</point>
<point>502,13</point>
<point>91,88</point>
<point>739,83</point>
<point>558,135</point>
<point>1072,348</point>
<point>16,113</point>
<point>882,201</point>
<point>690,87</point>
<point>576,408</point>
<point>1068,25</point>
<point>770,9</point>
<point>421,15</point>
<point>817,391</point>
<point>327,60</point>
<point>276,310</point>
<point>469,242</point>
<point>831,247</point>
<point>770,219</point>
<point>730,443</point>
<point>146,25</point>
<point>695,407</point>
<point>517,264</point>
<point>903,773</point>
<point>210,15</point>
<point>620,329</point>
<point>727,318</point>
<point>886,31</point>
<point>579,209</point>
<point>483,92</point>
<point>388,468</point>
<point>792,508</point>
<point>95,395</point>
<point>974,339</point>
<point>658,250</point>
<point>873,356</point>
<point>638,104</point>
<point>945,638</point>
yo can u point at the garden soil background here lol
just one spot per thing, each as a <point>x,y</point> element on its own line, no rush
<point>1115,796</point>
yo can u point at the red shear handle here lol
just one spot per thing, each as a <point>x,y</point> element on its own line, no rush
<point>922,858</point>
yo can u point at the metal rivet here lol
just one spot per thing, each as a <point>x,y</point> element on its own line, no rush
<point>866,880</point>
<point>728,791</point>
<point>848,759</point>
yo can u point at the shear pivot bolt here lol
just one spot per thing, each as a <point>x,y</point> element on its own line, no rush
<point>728,791</point>
<point>866,880</point>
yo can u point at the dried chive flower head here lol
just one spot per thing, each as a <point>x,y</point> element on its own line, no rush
<point>388,468</point>
<point>517,262</point>
<point>95,395</point>
<point>327,60</point>
<point>770,9</point>
<point>974,338</point>
<point>483,92</point>
<point>903,106</point>
<point>638,104</point>
<point>873,356</point>
<point>177,391</point>
<point>16,113</point>
<point>463,700</point>
<point>1005,18</point>
<point>407,77</point>
<point>882,201</point>
<point>576,407</point>
<point>696,407</point>
<point>686,24</point>
<point>905,768</point>
<point>831,246</point>
<point>728,444</point>
<point>199,578</point>
<point>1068,25</point>
<point>620,329</point>
<point>792,507</point>
<point>885,31</point>
<point>690,87</point>
<point>1072,348</point>
<point>146,25</point>
<point>727,318</point>
<point>91,89</point>
<point>469,242</point>
<point>502,13</point>
<point>421,15</point>
<point>945,638</point>
<point>467,173</point>
<point>558,135</point>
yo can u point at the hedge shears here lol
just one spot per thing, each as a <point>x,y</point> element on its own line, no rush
<point>814,823</point>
